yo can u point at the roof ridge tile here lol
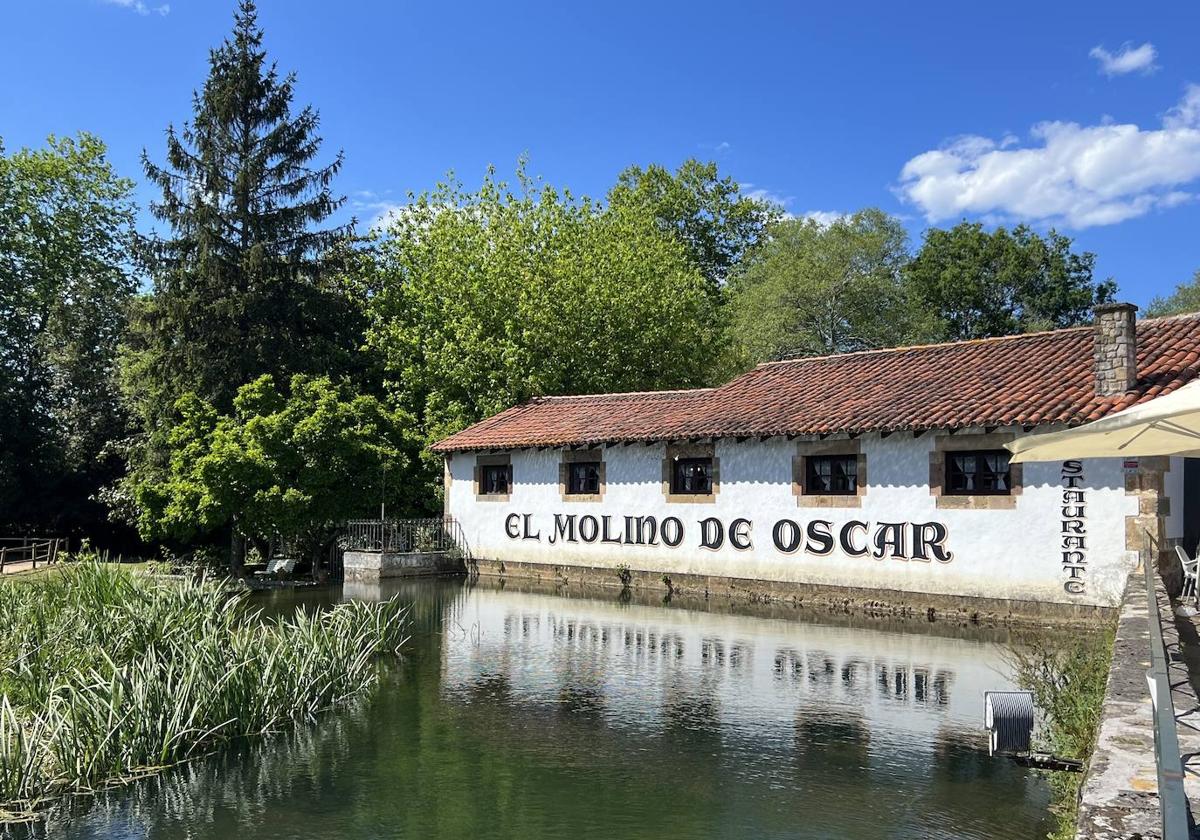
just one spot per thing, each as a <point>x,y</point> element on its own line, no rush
<point>1028,379</point>
<point>616,395</point>
<point>931,346</point>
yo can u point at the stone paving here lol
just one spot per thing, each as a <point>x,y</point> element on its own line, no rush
<point>1120,795</point>
<point>1188,716</point>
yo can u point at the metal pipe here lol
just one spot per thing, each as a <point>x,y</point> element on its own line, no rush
<point>1171,796</point>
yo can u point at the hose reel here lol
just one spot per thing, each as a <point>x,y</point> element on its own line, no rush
<point>1008,717</point>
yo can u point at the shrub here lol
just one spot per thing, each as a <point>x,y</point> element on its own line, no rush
<point>624,575</point>
<point>1068,684</point>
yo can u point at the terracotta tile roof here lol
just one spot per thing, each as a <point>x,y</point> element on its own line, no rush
<point>592,418</point>
<point>1031,379</point>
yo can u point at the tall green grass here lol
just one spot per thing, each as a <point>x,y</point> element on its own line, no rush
<point>1068,680</point>
<point>109,675</point>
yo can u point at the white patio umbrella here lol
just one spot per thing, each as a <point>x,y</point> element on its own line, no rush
<point>1167,425</point>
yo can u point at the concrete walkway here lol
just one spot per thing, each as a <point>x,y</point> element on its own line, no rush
<point>1120,795</point>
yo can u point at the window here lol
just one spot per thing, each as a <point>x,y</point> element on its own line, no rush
<point>581,475</point>
<point>583,478</point>
<point>831,475</point>
<point>692,477</point>
<point>495,479</point>
<point>691,473</point>
<point>983,472</point>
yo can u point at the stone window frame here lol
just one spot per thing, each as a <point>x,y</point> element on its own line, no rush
<point>580,456</point>
<point>676,451</point>
<point>965,501</point>
<point>808,449</point>
<point>492,461</point>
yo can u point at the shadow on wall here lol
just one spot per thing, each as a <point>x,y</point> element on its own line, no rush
<point>904,465</point>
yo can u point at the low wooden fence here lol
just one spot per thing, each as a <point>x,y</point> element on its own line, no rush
<point>30,550</point>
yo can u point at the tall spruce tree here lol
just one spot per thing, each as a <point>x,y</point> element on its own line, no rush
<point>246,282</point>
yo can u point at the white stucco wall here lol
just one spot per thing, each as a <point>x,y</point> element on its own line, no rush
<point>1015,553</point>
<point>1173,487</point>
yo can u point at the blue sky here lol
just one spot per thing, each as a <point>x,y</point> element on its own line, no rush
<point>1077,115</point>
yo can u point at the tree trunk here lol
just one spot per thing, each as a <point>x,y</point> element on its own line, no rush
<point>319,573</point>
<point>237,560</point>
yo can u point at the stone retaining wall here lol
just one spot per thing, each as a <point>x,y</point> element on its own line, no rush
<point>365,566</point>
<point>1119,798</point>
<point>874,602</point>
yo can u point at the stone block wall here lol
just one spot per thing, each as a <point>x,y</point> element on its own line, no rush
<point>1146,532</point>
<point>366,566</point>
<point>1115,348</point>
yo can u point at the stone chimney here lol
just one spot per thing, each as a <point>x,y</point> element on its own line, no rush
<point>1115,348</point>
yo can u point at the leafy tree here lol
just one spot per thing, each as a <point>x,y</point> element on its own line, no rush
<point>294,463</point>
<point>981,284</point>
<point>247,283</point>
<point>488,298</point>
<point>707,212</point>
<point>813,289</point>
<point>1185,298</point>
<point>66,225</point>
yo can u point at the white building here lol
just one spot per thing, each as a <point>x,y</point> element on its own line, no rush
<point>881,470</point>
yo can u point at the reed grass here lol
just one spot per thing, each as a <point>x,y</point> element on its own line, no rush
<point>1068,680</point>
<point>109,675</point>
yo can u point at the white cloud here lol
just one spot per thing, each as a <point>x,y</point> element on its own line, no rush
<point>764,195</point>
<point>377,208</point>
<point>387,215</point>
<point>1187,113</point>
<point>1128,59</point>
<point>383,215</point>
<point>1072,175</point>
<point>824,218</point>
<point>140,6</point>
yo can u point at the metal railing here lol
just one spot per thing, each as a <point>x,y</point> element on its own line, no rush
<point>32,550</point>
<point>404,535</point>
<point>1172,799</point>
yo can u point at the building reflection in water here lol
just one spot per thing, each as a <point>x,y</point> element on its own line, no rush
<point>528,714</point>
<point>634,659</point>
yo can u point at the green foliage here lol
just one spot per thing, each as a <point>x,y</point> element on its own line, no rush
<point>624,574</point>
<point>1185,298</point>
<point>294,463</point>
<point>248,282</point>
<point>979,284</point>
<point>486,299</point>
<point>1068,684</point>
<point>708,213</point>
<point>815,289</point>
<point>111,675</point>
<point>66,223</point>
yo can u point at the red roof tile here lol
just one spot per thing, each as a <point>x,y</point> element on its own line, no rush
<point>1032,379</point>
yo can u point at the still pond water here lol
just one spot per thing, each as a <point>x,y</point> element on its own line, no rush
<point>530,714</point>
